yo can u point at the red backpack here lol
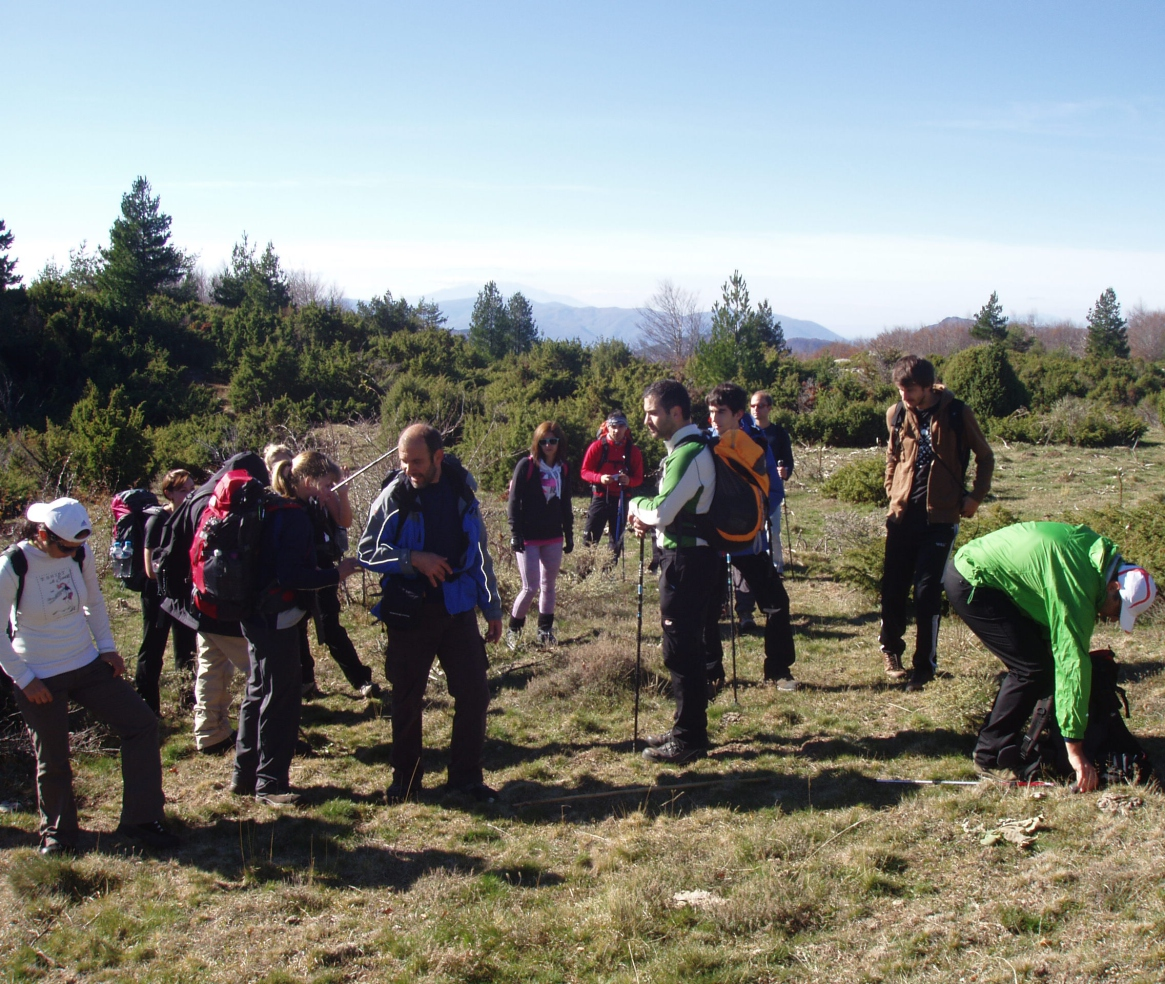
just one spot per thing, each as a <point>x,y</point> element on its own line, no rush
<point>224,557</point>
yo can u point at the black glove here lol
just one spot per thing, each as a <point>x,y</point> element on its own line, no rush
<point>569,545</point>
<point>518,544</point>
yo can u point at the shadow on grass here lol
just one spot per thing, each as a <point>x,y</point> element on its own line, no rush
<point>307,850</point>
<point>1136,672</point>
<point>936,743</point>
<point>739,790</point>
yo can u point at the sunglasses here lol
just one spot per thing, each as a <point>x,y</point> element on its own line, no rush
<point>548,440</point>
<point>61,544</point>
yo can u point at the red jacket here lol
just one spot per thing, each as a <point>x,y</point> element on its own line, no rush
<point>604,457</point>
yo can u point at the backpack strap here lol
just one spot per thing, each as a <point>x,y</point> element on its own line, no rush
<point>899,420</point>
<point>19,563</point>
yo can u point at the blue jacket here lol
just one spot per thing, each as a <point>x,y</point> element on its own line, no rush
<point>396,528</point>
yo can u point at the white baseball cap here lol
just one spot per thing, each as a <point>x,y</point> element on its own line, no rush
<point>66,517</point>
<point>1138,591</point>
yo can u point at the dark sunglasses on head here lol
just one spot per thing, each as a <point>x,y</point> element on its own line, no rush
<point>548,440</point>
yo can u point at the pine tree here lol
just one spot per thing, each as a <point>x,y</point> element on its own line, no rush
<point>140,261</point>
<point>489,324</point>
<point>8,275</point>
<point>1108,332</point>
<point>735,348</point>
<point>523,328</point>
<point>990,325</point>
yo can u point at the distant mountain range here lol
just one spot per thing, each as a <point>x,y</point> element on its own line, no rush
<point>558,320</point>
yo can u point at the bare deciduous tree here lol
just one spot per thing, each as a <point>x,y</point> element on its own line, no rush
<point>1147,333</point>
<point>670,326</point>
<point>308,288</point>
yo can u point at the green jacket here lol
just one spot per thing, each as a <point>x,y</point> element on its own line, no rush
<point>687,485</point>
<point>1057,575</point>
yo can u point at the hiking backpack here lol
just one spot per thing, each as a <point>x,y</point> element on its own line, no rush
<point>1108,743</point>
<point>224,555</point>
<point>739,505</point>
<point>19,564</point>
<point>131,509</point>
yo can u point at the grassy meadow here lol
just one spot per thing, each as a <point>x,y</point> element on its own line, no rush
<point>777,858</point>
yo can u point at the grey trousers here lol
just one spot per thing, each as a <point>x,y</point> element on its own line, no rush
<point>114,702</point>
<point>269,714</point>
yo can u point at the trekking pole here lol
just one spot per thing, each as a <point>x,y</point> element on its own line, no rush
<point>340,485</point>
<point>732,622</point>
<point>622,533</point>
<point>638,646</point>
<point>788,533</point>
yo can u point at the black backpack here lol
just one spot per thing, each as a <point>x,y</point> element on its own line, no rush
<point>1108,743</point>
<point>131,509</point>
<point>20,565</point>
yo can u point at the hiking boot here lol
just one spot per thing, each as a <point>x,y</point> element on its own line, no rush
<point>746,624</point>
<point>918,681</point>
<point>279,800</point>
<point>220,746</point>
<point>477,791</point>
<point>893,664</point>
<point>654,741</point>
<point>513,637</point>
<point>310,690</point>
<point>153,834</point>
<point>546,637</point>
<point>370,691</point>
<point>51,847</point>
<point>674,752</point>
<point>242,787</point>
<point>399,792</point>
<point>787,684</point>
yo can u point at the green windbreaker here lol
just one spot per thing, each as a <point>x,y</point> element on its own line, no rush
<point>1057,575</point>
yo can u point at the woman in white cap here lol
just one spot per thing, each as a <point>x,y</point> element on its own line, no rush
<point>60,648</point>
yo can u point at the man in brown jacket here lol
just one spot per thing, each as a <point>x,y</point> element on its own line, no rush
<point>931,437</point>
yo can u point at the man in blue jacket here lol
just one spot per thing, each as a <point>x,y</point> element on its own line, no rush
<point>425,537</point>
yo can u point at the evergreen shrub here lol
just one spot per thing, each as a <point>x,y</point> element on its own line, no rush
<point>862,482</point>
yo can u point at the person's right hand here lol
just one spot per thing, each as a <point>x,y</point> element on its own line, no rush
<point>638,527</point>
<point>347,567</point>
<point>37,693</point>
<point>1086,778</point>
<point>435,567</point>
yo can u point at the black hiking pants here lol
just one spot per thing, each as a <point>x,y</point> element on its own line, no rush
<point>157,626</point>
<point>768,588</point>
<point>1019,642</point>
<point>689,582</point>
<point>916,556</point>
<point>604,512</point>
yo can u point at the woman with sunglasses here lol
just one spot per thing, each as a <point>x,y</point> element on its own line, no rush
<point>541,529</point>
<point>60,648</point>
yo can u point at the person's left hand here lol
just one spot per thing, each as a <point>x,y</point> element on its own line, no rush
<point>113,658</point>
<point>783,472</point>
<point>640,528</point>
<point>493,631</point>
<point>970,507</point>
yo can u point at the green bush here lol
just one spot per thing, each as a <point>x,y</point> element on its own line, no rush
<point>108,442</point>
<point>838,423</point>
<point>983,378</point>
<point>1138,531</point>
<point>860,483</point>
<point>1076,422</point>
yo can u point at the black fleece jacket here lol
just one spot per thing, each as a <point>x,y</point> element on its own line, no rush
<point>532,517</point>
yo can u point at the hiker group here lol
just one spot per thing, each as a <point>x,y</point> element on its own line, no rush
<point>235,569</point>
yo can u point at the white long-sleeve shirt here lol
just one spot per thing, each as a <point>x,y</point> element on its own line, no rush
<point>62,623</point>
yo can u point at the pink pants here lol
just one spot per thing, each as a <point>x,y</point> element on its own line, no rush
<point>541,562</point>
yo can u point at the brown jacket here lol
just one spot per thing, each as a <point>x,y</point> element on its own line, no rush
<point>945,490</point>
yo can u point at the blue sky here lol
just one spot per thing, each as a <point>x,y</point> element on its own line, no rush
<point>863,164</point>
